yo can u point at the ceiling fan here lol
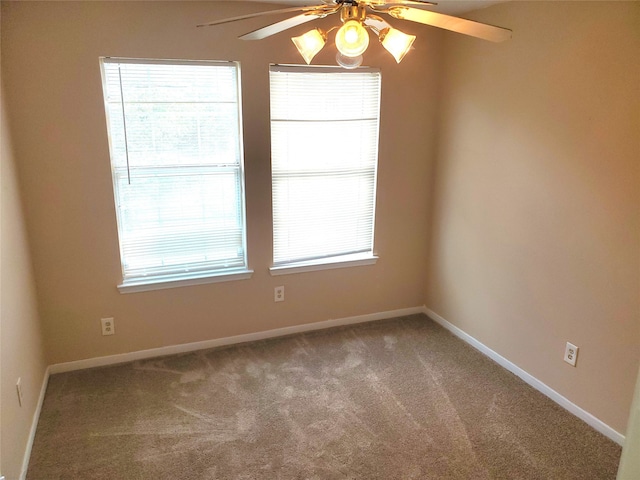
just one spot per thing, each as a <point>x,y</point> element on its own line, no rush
<point>356,16</point>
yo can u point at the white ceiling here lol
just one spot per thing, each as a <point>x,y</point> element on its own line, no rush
<point>457,7</point>
<point>450,7</point>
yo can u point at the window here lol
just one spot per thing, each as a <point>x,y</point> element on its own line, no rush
<point>324,154</point>
<point>176,160</point>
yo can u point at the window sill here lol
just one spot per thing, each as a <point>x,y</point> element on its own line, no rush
<point>145,285</point>
<point>344,261</point>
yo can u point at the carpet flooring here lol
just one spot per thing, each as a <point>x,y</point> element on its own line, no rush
<point>395,399</point>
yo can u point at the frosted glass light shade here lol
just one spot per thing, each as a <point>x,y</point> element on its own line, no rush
<point>348,62</point>
<point>396,42</point>
<point>310,43</point>
<point>352,39</point>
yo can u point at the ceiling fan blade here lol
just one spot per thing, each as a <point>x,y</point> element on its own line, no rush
<point>376,22</point>
<point>455,24</point>
<point>266,12</point>
<point>391,3</point>
<point>283,25</point>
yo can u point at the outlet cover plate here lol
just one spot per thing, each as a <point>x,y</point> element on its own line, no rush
<point>571,354</point>
<point>278,294</point>
<point>108,326</point>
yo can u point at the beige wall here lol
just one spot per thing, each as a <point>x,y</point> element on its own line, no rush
<point>21,349</point>
<point>56,107</point>
<point>536,201</point>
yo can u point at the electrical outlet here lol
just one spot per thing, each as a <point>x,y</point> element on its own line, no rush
<point>571,354</point>
<point>108,326</point>
<point>278,294</point>
<point>19,390</point>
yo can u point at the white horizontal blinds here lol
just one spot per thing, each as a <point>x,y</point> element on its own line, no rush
<point>324,150</point>
<point>177,167</point>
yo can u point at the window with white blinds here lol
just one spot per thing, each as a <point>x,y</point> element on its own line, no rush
<point>176,160</point>
<point>324,154</point>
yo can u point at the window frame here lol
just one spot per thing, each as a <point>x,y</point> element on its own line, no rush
<point>344,260</point>
<point>140,283</point>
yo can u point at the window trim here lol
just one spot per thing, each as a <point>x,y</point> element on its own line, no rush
<point>157,282</point>
<point>329,263</point>
<point>368,257</point>
<point>175,281</point>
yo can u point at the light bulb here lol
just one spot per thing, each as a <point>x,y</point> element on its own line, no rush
<point>310,43</point>
<point>396,42</point>
<point>351,34</point>
<point>352,39</point>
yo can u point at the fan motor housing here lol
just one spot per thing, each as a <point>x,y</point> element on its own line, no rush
<point>352,12</point>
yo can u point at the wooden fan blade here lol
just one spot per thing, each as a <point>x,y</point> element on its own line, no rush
<point>455,24</point>
<point>283,25</point>
<point>266,12</point>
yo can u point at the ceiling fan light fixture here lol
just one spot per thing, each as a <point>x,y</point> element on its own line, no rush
<point>348,62</point>
<point>352,39</point>
<point>310,43</point>
<point>396,42</point>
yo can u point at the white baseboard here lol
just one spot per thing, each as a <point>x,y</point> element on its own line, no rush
<point>219,342</point>
<point>594,422</point>
<point>34,425</point>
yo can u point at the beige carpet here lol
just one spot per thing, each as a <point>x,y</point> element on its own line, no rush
<point>398,399</point>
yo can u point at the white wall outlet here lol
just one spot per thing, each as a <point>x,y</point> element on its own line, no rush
<point>108,326</point>
<point>278,294</point>
<point>19,390</point>
<point>571,354</point>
